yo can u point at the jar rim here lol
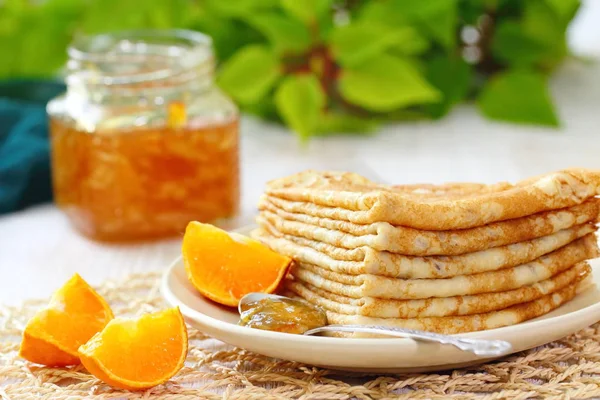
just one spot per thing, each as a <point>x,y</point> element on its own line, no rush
<point>190,49</point>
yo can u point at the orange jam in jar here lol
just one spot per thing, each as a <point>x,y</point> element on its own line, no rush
<point>143,142</point>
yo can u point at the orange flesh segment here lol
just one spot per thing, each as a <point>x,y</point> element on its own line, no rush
<point>42,352</point>
<point>75,313</point>
<point>138,354</point>
<point>225,266</point>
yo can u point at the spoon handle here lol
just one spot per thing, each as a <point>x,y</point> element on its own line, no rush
<point>478,346</point>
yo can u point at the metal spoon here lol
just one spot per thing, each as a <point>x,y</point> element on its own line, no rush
<point>491,348</point>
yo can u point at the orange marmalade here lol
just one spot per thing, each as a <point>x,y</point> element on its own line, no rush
<point>142,141</point>
<point>147,183</point>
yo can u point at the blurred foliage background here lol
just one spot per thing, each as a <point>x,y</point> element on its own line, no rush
<point>323,66</point>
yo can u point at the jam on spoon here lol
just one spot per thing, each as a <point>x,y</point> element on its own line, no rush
<point>280,314</point>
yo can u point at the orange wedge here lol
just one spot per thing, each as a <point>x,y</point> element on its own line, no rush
<point>75,313</point>
<point>225,266</point>
<point>137,354</point>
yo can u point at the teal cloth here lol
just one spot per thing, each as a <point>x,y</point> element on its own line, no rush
<point>24,144</point>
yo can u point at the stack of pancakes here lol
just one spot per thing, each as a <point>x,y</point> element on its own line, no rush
<point>445,258</point>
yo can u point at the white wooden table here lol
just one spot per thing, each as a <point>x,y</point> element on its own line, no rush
<point>39,250</point>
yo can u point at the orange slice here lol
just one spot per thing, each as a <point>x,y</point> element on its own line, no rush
<point>138,353</point>
<point>75,313</point>
<point>225,266</point>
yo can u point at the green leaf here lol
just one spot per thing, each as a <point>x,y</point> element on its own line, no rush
<point>506,8</point>
<point>470,11</point>
<point>11,25</point>
<point>512,45</point>
<point>112,15</point>
<point>518,96</point>
<point>265,109</point>
<point>325,25</point>
<point>344,123</point>
<point>238,8</point>
<point>386,83</point>
<point>68,11</point>
<point>564,9</point>
<point>354,44</point>
<point>421,9</point>
<point>43,49</point>
<point>299,100</point>
<point>442,25</point>
<point>438,18</point>
<point>415,45</point>
<point>452,77</point>
<point>286,34</point>
<point>308,11</point>
<point>382,13</point>
<point>541,23</point>
<point>34,37</point>
<point>39,43</point>
<point>15,7</point>
<point>228,35</point>
<point>249,74</point>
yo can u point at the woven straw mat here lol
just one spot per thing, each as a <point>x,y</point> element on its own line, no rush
<point>566,369</point>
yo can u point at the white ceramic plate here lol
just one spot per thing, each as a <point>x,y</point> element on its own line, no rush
<point>373,355</point>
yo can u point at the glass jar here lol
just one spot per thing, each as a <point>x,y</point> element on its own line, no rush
<point>142,141</point>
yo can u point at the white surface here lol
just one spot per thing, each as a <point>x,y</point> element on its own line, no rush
<point>373,355</point>
<point>39,251</point>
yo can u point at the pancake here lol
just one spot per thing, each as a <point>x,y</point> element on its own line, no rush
<point>359,286</point>
<point>368,261</point>
<point>351,197</point>
<point>399,239</point>
<point>468,323</point>
<point>437,307</point>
